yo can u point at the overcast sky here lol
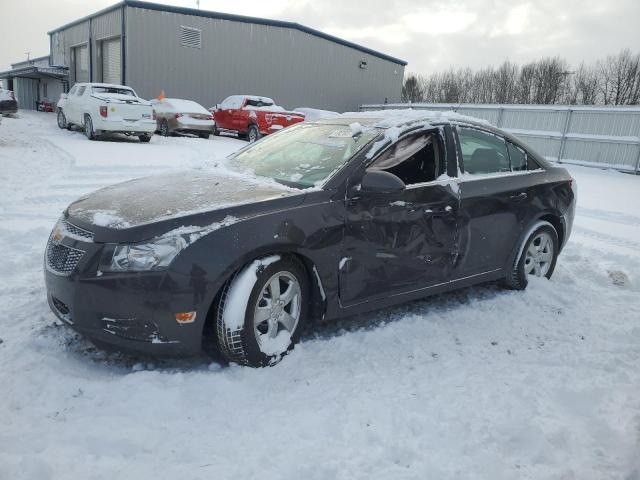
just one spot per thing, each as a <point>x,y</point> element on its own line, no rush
<point>429,34</point>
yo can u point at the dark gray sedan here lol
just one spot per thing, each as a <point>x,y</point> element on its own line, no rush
<point>318,221</point>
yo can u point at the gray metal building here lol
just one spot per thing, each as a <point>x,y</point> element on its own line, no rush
<point>207,56</point>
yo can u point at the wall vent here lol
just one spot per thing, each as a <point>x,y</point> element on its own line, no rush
<point>191,37</point>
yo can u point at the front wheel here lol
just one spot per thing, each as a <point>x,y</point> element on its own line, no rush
<point>262,310</point>
<point>537,256</point>
<point>204,135</point>
<point>62,120</point>
<point>145,138</point>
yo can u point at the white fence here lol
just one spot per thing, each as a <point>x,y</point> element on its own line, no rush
<point>606,137</point>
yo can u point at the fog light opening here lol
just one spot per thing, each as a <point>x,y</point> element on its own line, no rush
<point>185,317</point>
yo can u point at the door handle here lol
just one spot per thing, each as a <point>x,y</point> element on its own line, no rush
<point>518,197</point>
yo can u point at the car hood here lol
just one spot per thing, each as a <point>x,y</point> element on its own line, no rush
<point>148,206</point>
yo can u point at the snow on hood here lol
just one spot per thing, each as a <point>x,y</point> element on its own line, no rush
<point>164,197</point>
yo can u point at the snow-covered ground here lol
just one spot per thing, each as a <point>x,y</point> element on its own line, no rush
<point>483,383</point>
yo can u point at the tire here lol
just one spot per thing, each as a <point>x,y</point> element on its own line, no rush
<point>164,128</point>
<point>62,120</point>
<point>88,128</point>
<point>537,255</point>
<point>253,134</point>
<point>255,339</point>
<point>145,138</point>
<point>204,135</point>
<point>216,132</point>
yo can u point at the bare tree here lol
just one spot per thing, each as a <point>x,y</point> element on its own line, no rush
<point>613,80</point>
<point>411,90</point>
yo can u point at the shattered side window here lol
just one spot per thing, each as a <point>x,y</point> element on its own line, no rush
<point>414,159</point>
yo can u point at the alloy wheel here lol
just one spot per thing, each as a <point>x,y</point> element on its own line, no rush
<point>278,307</point>
<point>539,255</point>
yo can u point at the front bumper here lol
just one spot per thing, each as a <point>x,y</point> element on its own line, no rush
<point>132,312</point>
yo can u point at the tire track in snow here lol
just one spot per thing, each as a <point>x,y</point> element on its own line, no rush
<point>614,217</point>
<point>608,239</point>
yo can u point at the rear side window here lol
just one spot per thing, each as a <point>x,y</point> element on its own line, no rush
<point>482,152</point>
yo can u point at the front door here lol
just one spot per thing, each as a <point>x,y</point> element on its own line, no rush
<point>403,242</point>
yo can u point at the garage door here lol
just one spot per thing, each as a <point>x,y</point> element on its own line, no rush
<point>81,57</point>
<point>111,61</point>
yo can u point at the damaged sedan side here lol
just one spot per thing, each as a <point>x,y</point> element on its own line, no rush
<point>318,221</point>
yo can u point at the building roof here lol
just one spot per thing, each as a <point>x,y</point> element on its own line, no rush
<point>30,61</point>
<point>234,18</point>
<point>34,71</point>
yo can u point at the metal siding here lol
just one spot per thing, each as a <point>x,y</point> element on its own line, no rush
<point>26,92</point>
<point>293,67</point>
<point>62,43</point>
<point>103,27</point>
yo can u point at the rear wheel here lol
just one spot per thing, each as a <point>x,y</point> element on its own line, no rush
<point>88,128</point>
<point>204,135</point>
<point>146,138</point>
<point>62,120</point>
<point>164,128</point>
<point>262,311</point>
<point>537,256</point>
<point>216,132</point>
<point>253,135</point>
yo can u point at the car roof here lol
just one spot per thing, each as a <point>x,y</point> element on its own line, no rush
<point>106,85</point>
<point>405,119</point>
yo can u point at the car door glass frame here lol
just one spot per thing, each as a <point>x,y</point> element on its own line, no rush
<point>438,134</point>
<point>471,177</point>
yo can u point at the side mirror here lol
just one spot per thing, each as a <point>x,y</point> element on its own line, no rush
<point>379,182</point>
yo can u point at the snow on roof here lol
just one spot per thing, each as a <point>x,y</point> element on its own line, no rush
<point>180,105</point>
<point>105,85</point>
<point>408,117</point>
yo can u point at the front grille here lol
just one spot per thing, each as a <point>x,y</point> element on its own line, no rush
<point>62,259</point>
<point>77,231</point>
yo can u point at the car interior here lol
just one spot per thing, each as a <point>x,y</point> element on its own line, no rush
<point>416,159</point>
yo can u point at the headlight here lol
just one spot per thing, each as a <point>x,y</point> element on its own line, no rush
<point>155,255</point>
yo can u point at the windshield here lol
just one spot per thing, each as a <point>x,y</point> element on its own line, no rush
<point>119,91</point>
<point>304,155</point>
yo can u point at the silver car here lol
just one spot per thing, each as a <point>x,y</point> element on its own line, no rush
<point>175,115</point>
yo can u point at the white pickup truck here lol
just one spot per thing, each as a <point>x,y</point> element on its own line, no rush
<point>101,108</point>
